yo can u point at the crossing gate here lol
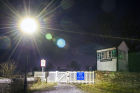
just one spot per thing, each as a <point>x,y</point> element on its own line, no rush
<point>69,76</point>
<point>62,77</point>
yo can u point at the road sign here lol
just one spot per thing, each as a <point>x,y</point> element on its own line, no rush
<point>80,76</point>
<point>43,63</point>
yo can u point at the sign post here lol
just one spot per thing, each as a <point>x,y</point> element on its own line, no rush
<point>43,65</point>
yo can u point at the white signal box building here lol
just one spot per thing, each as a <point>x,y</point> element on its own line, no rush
<point>113,59</point>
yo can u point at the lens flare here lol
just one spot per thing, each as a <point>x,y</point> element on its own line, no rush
<point>48,36</point>
<point>61,43</point>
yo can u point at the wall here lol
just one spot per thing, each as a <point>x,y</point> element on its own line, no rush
<point>107,66</point>
<point>123,61</point>
<point>107,59</point>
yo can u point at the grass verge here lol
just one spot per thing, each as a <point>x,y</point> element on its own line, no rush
<point>107,87</point>
<point>41,86</point>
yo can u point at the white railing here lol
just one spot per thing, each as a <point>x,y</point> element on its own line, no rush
<point>66,76</point>
<point>5,80</point>
<point>88,77</point>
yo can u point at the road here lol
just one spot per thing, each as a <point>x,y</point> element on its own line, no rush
<point>63,88</point>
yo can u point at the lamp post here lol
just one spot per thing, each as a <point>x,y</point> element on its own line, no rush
<point>28,26</point>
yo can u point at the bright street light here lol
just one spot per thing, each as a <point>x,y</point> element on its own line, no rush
<point>28,25</point>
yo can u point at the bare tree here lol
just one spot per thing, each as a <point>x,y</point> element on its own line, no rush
<point>74,65</point>
<point>50,66</point>
<point>7,68</point>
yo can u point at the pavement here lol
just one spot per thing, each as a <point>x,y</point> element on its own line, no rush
<point>63,88</point>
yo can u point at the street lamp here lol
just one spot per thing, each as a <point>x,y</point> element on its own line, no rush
<point>28,26</point>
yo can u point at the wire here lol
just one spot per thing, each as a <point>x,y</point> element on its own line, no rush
<point>99,35</point>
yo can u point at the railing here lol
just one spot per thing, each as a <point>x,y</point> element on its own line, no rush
<point>88,77</point>
<point>66,76</point>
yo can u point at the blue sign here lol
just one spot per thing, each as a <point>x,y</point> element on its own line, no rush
<point>80,76</point>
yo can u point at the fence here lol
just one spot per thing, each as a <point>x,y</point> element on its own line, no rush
<point>67,76</point>
<point>5,85</point>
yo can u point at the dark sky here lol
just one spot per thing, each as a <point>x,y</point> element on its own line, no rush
<point>86,25</point>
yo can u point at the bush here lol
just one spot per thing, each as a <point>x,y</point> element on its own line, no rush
<point>17,86</point>
<point>7,68</point>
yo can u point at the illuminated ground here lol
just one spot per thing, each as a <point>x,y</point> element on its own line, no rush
<point>63,88</point>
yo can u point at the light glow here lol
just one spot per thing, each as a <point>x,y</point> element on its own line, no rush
<point>61,43</point>
<point>28,25</point>
<point>48,36</point>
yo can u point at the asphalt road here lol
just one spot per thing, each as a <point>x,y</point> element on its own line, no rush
<point>63,88</point>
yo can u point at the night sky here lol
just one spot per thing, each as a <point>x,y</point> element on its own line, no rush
<point>86,25</point>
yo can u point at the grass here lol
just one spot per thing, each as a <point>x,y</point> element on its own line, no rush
<point>106,87</point>
<point>1,77</point>
<point>17,86</point>
<point>113,82</point>
<point>41,86</point>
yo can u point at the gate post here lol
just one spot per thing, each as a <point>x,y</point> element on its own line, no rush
<point>94,76</point>
<point>56,76</point>
<point>68,76</point>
